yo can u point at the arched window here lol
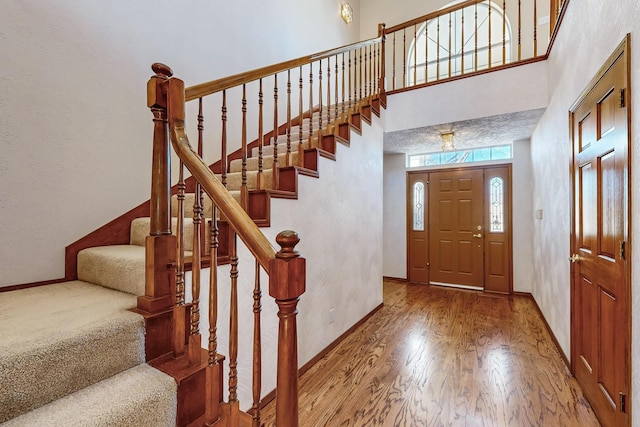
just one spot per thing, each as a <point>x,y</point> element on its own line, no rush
<point>496,203</point>
<point>463,41</point>
<point>418,206</point>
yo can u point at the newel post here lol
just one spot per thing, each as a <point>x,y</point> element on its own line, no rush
<point>160,244</point>
<point>287,274</point>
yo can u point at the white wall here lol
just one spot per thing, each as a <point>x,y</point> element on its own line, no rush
<point>395,196</point>
<point>591,30</point>
<point>491,94</point>
<point>395,216</point>
<point>75,132</point>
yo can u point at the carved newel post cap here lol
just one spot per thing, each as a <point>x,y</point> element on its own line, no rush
<point>162,70</point>
<point>287,240</point>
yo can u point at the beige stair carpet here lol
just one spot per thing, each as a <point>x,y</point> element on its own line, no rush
<point>119,267</point>
<point>57,339</point>
<point>139,397</point>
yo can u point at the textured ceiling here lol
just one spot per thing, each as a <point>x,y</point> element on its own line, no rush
<point>487,131</point>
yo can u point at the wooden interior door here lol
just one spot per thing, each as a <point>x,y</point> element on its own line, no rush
<point>456,253</point>
<point>600,330</point>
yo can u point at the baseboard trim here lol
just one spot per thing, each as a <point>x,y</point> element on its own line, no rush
<point>272,394</point>
<point>395,279</point>
<point>32,285</point>
<point>544,319</point>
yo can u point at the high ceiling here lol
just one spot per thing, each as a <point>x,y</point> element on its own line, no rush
<point>486,131</point>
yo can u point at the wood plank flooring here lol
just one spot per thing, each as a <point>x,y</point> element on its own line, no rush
<point>443,357</point>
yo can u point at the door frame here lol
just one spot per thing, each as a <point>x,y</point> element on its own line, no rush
<point>508,214</point>
<point>624,48</point>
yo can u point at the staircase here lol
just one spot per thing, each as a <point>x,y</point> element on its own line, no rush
<point>74,353</point>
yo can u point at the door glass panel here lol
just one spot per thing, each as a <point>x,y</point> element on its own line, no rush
<point>496,203</point>
<point>418,206</point>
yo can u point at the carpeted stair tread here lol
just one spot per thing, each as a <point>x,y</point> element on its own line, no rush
<point>57,339</point>
<point>140,230</point>
<point>267,161</point>
<point>234,179</point>
<point>119,267</point>
<point>141,396</point>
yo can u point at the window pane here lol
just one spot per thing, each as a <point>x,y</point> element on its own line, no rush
<point>496,187</point>
<point>502,152</point>
<point>418,206</point>
<point>482,154</point>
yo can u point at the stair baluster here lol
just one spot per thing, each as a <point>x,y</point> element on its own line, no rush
<point>343,89</point>
<point>312,141</point>
<point>328,93</point>
<point>300,119</point>
<point>276,162</point>
<point>213,380</point>
<point>289,160</point>
<point>257,348</point>
<point>223,144</point>
<point>336,96</point>
<point>320,93</point>
<point>179,331</point>
<point>244,191</point>
<point>260,184</point>
<point>233,331</point>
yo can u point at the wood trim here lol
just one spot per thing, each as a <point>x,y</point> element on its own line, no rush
<point>115,232</point>
<point>31,285</point>
<point>553,336</point>
<point>269,397</point>
<point>208,88</point>
<point>395,279</point>
<point>472,74</point>
<point>431,15</point>
<point>556,29</point>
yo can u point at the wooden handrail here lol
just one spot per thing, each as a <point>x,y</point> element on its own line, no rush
<point>432,15</point>
<point>251,235</point>
<point>208,88</point>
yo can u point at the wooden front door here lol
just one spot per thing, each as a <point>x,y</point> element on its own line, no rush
<point>601,323</point>
<point>456,227</point>
<point>459,227</point>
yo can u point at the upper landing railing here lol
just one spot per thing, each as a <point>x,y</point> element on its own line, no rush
<point>474,36</point>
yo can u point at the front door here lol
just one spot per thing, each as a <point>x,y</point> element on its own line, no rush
<point>601,322</point>
<point>456,228</point>
<point>459,228</point>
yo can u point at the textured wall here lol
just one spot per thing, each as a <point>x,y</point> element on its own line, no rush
<point>486,95</point>
<point>590,32</point>
<point>75,132</point>
<point>395,216</point>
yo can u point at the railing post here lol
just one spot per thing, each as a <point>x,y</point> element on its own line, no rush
<point>287,274</point>
<point>382,32</point>
<point>160,244</point>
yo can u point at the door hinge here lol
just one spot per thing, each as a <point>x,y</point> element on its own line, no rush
<point>623,403</point>
<point>622,99</point>
<point>622,249</point>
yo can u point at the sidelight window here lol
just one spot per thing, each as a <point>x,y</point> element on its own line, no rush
<point>418,206</point>
<point>496,203</point>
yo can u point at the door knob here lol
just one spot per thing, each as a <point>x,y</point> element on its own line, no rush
<point>478,236</point>
<point>574,258</point>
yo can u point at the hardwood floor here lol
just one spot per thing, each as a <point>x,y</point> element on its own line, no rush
<point>443,357</point>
